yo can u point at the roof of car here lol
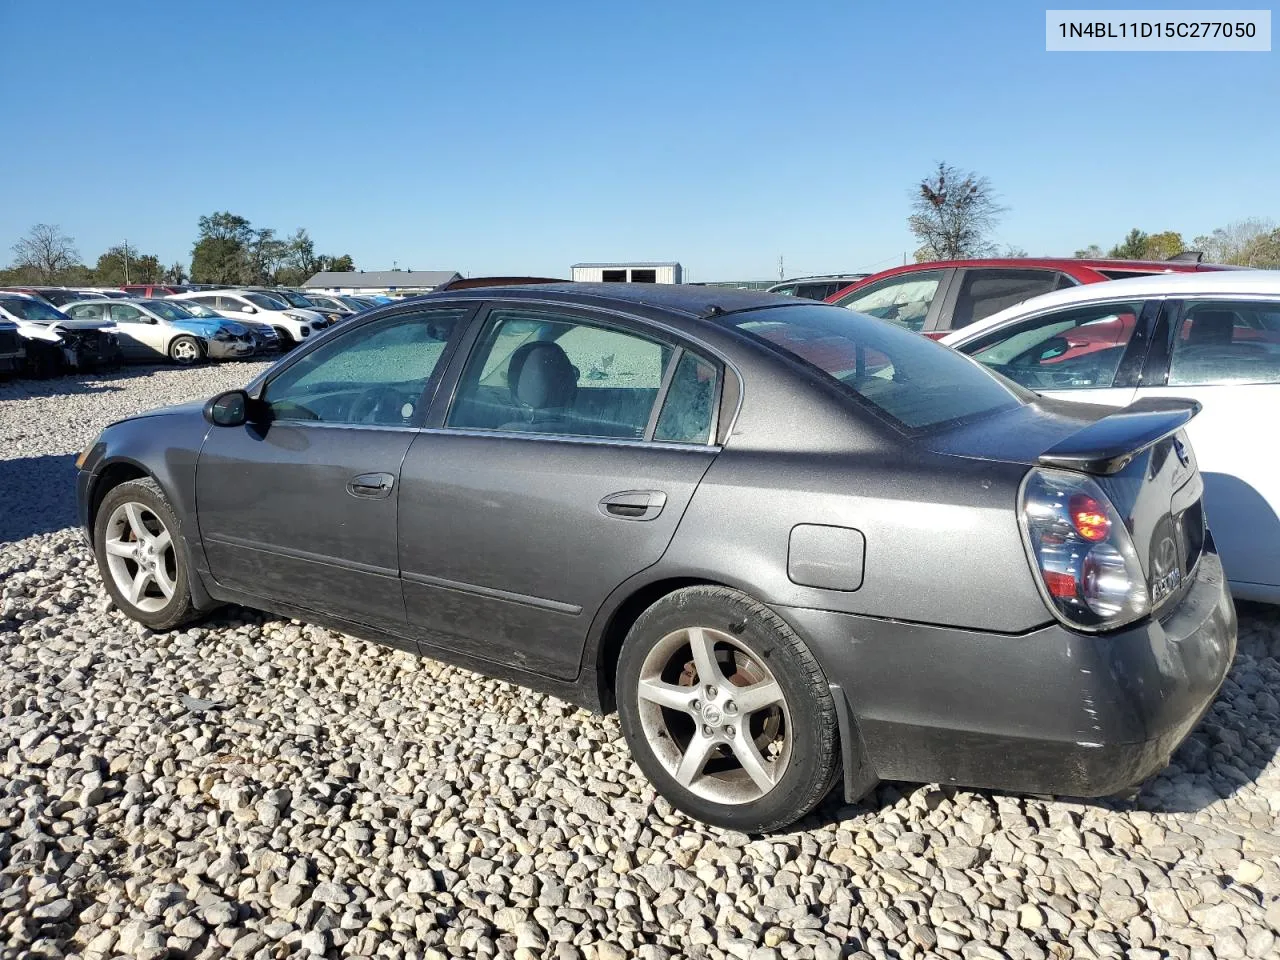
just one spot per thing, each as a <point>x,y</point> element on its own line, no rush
<point>1229,282</point>
<point>683,299</point>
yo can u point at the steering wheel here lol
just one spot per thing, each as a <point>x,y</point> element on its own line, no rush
<point>368,404</point>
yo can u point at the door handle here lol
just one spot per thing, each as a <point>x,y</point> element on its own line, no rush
<point>371,486</point>
<point>634,504</point>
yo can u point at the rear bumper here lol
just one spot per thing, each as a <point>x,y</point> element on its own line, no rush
<point>1052,711</point>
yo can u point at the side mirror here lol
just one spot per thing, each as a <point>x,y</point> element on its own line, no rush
<point>248,308</point>
<point>230,409</point>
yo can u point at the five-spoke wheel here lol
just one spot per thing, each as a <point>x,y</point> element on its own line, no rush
<point>141,561</point>
<point>726,710</point>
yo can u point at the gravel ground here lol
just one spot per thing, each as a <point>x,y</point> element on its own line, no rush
<point>254,787</point>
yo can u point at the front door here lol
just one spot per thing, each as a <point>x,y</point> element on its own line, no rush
<point>141,338</point>
<point>301,506</point>
<point>555,477</point>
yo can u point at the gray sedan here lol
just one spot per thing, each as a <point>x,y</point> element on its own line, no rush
<point>791,545</point>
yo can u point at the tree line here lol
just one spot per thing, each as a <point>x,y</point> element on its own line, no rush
<point>228,249</point>
<point>954,213</point>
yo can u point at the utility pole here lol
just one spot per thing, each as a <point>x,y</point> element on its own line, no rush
<point>781,273</point>
<point>126,261</point>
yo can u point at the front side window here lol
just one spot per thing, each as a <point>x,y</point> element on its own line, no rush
<point>123,313</point>
<point>375,374</point>
<point>1230,341</point>
<point>903,300</point>
<point>1074,349</point>
<point>535,372</point>
<point>984,293</point>
<point>911,381</point>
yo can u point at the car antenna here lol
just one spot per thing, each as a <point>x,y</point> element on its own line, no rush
<point>715,310</point>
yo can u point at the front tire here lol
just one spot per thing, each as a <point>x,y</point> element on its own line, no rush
<point>185,351</point>
<point>727,711</point>
<point>140,557</point>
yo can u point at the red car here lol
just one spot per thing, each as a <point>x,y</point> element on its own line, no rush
<point>147,291</point>
<point>936,298</point>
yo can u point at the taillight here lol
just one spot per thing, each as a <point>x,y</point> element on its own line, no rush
<point>1081,551</point>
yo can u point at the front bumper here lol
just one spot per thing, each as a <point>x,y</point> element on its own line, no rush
<point>229,349</point>
<point>1053,711</point>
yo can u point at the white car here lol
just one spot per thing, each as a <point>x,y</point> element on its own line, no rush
<point>292,324</point>
<point>1213,337</point>
<point>151,330</point>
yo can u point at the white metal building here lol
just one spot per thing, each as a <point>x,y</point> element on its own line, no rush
<point>380,281</point>
<point>668,272</point>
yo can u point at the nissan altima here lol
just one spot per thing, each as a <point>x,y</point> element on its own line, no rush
<point>789,544</point>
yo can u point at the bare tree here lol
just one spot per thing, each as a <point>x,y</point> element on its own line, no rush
<point>45,250</point>
<point>953,214</point>
<point>1245,243</point>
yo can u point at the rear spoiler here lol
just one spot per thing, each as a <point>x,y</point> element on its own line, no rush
<point>1106,446</point>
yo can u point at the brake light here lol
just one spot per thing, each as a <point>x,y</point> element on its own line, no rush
<point>1089,517</point>
<point>1081,551</point>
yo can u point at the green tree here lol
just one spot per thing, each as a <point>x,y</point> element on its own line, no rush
<point>112,270</point>
<point>222,250</point>
<point>953,214</point>
<point>176,273</point>
<point>342,264</point>
<point>1162,246</point>
<point>1132,247</point>
<point>1091,252</point>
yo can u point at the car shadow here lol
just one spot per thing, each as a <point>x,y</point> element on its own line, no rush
<point>39,496</point>
<point>1227,751</point>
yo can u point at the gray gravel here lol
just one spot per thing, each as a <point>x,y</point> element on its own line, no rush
<point>255,787</point>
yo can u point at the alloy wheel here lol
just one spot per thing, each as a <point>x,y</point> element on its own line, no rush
<point>186,351</point>
<point>714,715</point>
<point>141,557</point>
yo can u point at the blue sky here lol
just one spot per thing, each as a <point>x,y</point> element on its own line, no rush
<point>515,137</point>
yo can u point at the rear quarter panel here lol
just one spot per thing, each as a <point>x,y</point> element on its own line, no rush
<point>942,539</point>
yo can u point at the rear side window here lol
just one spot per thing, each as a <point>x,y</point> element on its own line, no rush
<point>1074,349</point>
<point>904,300</point>
<point>1227,341</point>
<point>986,292</point>
<point>911,381</point>
<point>689,408</point>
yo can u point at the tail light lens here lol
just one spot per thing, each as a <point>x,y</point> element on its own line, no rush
<point>1081,551</point>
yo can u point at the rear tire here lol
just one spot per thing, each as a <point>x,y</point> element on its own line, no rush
<point>185,351</point>
<point>137,541</point>
<point>727,711</point>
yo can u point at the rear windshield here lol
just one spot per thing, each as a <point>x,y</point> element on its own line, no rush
<point>908,379</point>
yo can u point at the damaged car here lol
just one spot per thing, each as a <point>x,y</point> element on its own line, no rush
<point>55,343</point>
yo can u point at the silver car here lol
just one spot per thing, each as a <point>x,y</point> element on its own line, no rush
<point>150,330</point>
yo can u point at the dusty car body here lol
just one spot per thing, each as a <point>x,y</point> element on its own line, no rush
<point>782,539</point>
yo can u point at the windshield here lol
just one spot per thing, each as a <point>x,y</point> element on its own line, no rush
<point>294,299</point>
<point>168,309</point>
<point>910,380</point>
<point>37,311</point>
<point>264,302</point>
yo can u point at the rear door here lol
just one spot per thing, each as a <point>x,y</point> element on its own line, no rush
<point>556,474</point>
<point>1226,354</point>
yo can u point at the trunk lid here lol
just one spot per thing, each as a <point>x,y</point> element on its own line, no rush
<point>1140,457</point>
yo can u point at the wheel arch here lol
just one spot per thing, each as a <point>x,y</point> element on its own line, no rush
<point>614,621</point>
